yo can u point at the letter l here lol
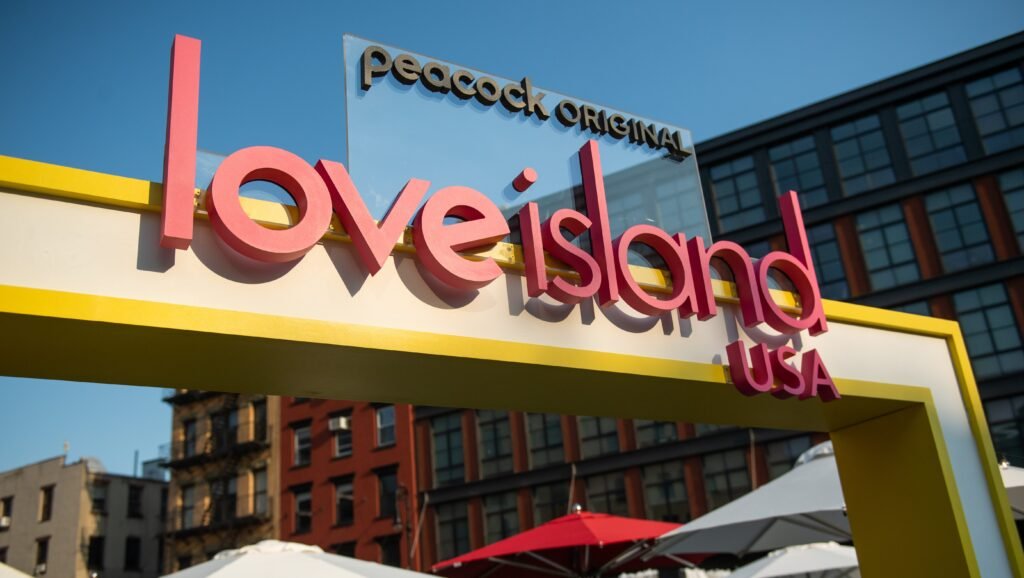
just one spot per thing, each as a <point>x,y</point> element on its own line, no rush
<point>180,146</point>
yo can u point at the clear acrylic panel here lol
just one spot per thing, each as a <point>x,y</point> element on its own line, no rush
<point>398,131</point>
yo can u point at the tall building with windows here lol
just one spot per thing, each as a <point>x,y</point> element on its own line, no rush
<point>347,479</point>
<point>913,197</point>
<point>76,520</point>
<point>224,479</point>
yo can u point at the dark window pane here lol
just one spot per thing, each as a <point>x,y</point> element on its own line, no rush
<point>929,134</point>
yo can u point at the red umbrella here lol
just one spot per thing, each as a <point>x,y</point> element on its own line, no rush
<point>580,544</point>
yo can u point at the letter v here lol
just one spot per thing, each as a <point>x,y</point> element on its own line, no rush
<point>373,243</point>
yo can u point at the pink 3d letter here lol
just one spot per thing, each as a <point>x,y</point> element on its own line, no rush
<point>533,250</point>
<point>819,382</point>
<point>750,381</point>
<point>180,146</point>
<point>562,249</point>
<point>373,243</point>
<point>600,231</point>
<point>252,239</point>
<point>674,256</point>
<point>799,268</point>
<point>436,243</point>
<point>791,379</point>
<point>738,261</point>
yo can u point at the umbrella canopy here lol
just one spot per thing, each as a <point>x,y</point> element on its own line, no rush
<point>804,505</point>
<point>8,572</point>
<point>580,544</point>
<point>1013,479</point>
<point>274,559</point>
<point>823,560</point>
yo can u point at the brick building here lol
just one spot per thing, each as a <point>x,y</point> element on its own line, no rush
<point>913,195</point>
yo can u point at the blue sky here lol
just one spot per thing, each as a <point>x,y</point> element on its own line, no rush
<point>84,84</point>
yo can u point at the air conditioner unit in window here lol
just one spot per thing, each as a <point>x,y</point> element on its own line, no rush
<point>5,522</point>
<point>341,422</point>
<point>40,569</point>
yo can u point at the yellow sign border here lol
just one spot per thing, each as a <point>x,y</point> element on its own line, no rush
<point>106,339</point>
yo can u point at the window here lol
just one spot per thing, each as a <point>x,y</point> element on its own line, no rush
<point>45,503</point>
<point>862,156</point>
<point>387,492</point>
<point>501,517</point>
<point>303,510</point>
<point>385,425</point>
<point>260,505</point>
<point>448,457</point>
<point>652,433</point>
<point>259,418</point>
<point>191,436</point>
<point>7,507</point>
<point>345,549</point>
<point>132,554</point>
<point>96,546</point>
<point>135,501</point>
<point>42,550</point>
<point>782,455</point>
<point>391,550</point>
<point>550,502</point>
<point>545,434</point>
<point>452,530</point>
<point>344,502</point>
<point>737,195</point>
<point>303,445</point>
<point>3,555</point>
<point>997,102</point>
<point>930,134</point>
<point>495,442</point>
<point>915,307</point>
<point>725,477</point>
<point>1006,422</point>
<point>98,492</point>
<point>828,262</point>
<point>224,427</point>
<point>1012,184</point>
<point>990,331</point>
<point>888,254</point>
<point>224,499</point>
<point>703,429</point>
<point>959,228</point>
<point>343,436</point>
<point>188,504</point>
<point>598,436</point>
<point>665,492</point>
<point>795,167</point>
<point>607,494</point>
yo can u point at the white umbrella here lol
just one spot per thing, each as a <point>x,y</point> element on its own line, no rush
<point>1013,479</point>
<point>824,560</point>
<point>8,572</point>
<point>274,559</point>
<point>804,505</point>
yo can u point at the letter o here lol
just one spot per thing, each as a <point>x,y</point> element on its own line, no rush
<point>249,237</point>
<point>567,112</point>
<point>487,90</point>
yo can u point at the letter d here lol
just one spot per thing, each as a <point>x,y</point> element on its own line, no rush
<point>180,147</point>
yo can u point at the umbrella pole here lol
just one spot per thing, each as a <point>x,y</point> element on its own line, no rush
<point>554,572</point>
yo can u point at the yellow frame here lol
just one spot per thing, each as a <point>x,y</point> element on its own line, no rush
<point>915,509</point>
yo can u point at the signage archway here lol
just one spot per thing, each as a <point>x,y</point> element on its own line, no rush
<point>88,294</point>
